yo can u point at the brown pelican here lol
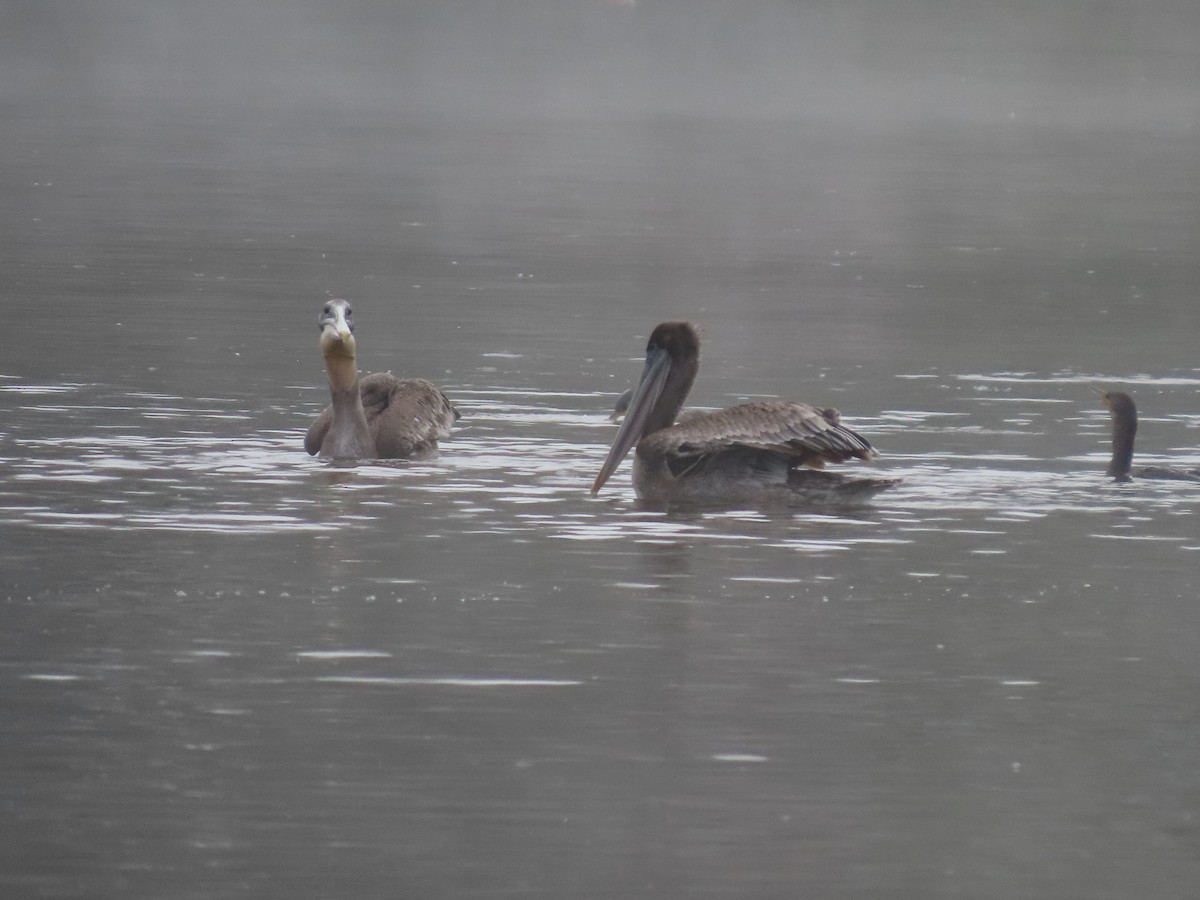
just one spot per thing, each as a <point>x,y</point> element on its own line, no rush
<point>749,453</point>
<point>378,416</point>
<point>1124,428</point>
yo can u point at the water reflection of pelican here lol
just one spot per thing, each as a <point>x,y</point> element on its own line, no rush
<point>1123,412</point>
<point>750,453</point>
<point>378,416</point>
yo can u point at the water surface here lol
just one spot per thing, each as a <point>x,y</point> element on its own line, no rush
<point>231,670</point>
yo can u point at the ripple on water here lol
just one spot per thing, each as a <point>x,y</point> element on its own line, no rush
<point>1078,378</point>
<point>447,681</point>
<point>521,461</point>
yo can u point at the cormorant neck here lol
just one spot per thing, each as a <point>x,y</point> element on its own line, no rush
<point>1124,429</point>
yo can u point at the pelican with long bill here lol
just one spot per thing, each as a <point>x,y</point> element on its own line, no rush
<point>766,452</point>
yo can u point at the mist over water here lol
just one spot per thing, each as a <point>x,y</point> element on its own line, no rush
<point>1075,62</point>
<point>231,670</point>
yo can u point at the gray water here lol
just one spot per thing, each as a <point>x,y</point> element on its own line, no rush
<point>229,670</point>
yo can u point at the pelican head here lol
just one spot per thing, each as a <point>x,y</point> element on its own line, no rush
<point>337,329</point>
<point>672,360</point>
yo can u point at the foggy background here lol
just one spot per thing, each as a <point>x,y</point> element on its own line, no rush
<point>822,149</point>
<point>1073,61</point>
